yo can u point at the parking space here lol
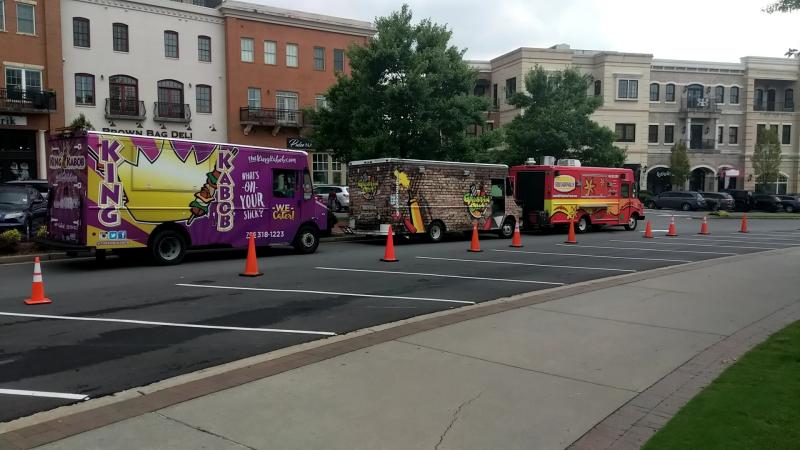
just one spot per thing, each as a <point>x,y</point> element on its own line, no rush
<point>123,324</point>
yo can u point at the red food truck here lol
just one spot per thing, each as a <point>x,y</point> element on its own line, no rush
<point>589,196</point>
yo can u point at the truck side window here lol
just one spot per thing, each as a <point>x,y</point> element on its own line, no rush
<point>509,186</point>
<point>626,190</point>
<point>283,183</point>
<point>307,185</point>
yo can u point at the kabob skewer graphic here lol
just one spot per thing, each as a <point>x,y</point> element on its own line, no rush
<point>206,195</point>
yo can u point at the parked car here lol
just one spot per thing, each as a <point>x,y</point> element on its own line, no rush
<point>742,199</point>
<point>719,201</point>
<point>21,208</point>
<point>767,202</point>
<point>791,203</point>
<point>685,200</point>
<point>337,197</point>
<point>40,185</point>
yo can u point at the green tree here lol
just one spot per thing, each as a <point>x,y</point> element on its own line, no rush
<point>81,122</point>
<point>407,96</point>
<point>785,6</point>
<point>767,159</point>
<point>555,121</point>
<point>679,166</point>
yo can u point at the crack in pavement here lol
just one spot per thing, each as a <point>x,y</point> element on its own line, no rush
<point>203,430</point>
<point>455,417</point>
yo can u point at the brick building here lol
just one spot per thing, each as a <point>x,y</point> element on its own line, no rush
<point>31,90</point>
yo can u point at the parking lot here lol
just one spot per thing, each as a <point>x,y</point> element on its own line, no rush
<point>109,330</point>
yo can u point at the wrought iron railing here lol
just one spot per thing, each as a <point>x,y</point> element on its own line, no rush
<point>765,105</point>
<point>171,112</point>
<point>117,108</point>
<point>30,100</point>
<point>271,116</point>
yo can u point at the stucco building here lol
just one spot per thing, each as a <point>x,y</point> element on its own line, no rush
<point>31,96</point>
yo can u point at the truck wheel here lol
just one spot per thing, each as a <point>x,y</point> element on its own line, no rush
<point>506,231</point>
<point>436,231</point>
<point>307,240</point>
<point>633,221</point>
<point>167,248</point>
<point>583,225</point>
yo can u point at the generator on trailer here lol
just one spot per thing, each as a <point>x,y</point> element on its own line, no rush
<point>430,198</point>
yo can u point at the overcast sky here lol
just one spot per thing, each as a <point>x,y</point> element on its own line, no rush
<point>711,30</point>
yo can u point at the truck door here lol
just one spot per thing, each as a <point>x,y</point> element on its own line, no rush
<point>498,201</point>
<point>284,205</point>
<point>624,197</point>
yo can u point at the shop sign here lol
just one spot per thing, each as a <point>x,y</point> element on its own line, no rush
<point>298,143</point>
<point>14,120</point>
<point>150,133</point>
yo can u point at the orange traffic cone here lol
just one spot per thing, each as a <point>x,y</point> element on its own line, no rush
<point>672,232</point>
<point>571,234</point>
<point>744,224</point>
<point>251,267</point>
<point>37,289</point>
<point>648,231</point>
<point>475,245</point>
<point>704,226</point>
<point>388,255</point>
<point>516,241</point>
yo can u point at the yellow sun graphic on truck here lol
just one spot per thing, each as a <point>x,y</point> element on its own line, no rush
<point>569,210</point>
<point>588,186</point>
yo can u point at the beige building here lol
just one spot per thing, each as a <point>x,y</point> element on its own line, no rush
<point>716,109</point>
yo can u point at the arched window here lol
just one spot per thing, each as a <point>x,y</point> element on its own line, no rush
<point>770,99</point>
<point>669,93</point>
<point>694,95</point>
<point>80,32</point>
<point>734,95</point>
<point>655,92</point>
<point>170,99</point>
<point>719,94</point>
<point>788,100</point>
<point>758,101</point>
<point>598,88</point>
<point>124,95</point>
<point>120,37</point>
<point>203,100</point>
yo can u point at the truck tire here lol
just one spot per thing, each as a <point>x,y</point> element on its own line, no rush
<point>306,240</point>
<point>506,230</point>
<point>436,231</point>
<point>167,248</point>
<point>583,225</point>
<point>633,221</point>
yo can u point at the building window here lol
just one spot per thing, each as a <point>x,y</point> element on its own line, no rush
<point>669,134</point>
<point>287,104</point>
<point>254,97</point>
<point>733,135</point>
<point>720,134</point>
<point>171,44</point>
<point>247,50</point>
<point>761,129</point>
<point>780,187</point>
<point>80,32</point>
<point>120,37</point>
<point>319,58</point>
<point>626,132</point>
<point>628,89</point>
<point>719,94</point>
<point>598,88</point>
<point>203,94</point>
<point>655,89</point>
<point>495,100</point>
<point>84,89</point>
<point>319,167</point>
<point>336,172</point>
<point>270,53</point>
<point>669,93</point>
<point>2,15</point>
<point>124,91</point>
<point>170,99</point>
<point>204,48</point>
<point>20,82</point>
<point>291,55</point>
<point>734,95</point>
<point>786,135</point>
<point>26,18</point>
<point>511,87</point>
<point>652,134</point>
<point>320,102</point>
<point>338,60</point>
<point>788,98</point>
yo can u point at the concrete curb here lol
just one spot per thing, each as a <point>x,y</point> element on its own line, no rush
<point>50,426</point>
<point>29,257</point>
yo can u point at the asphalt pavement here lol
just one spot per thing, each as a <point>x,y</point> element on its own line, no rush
<point>123,324</point>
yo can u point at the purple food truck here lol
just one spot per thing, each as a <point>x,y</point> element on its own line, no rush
<point>117,192</point>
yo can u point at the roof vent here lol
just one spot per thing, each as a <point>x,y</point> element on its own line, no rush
<point>530,162</point>
<point>569,162</point>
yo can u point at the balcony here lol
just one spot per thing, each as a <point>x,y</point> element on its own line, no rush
<point>171,112</point>
<point>30,101</point>
<point>700,145</point>
<point>270,117</point>
<point>125,109</point>
<point>778,107</point>
<point>700,107</point>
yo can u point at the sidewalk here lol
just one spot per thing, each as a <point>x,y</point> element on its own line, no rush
<point>537,371</point>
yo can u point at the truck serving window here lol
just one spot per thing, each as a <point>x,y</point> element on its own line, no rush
<point>283,183</point>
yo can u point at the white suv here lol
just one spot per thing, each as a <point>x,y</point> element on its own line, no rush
<point>337,197</point>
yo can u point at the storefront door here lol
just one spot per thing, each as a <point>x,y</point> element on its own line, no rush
<point>17,155</point>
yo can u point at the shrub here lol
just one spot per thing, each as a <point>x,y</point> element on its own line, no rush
<point>41,232</point>
<point>720,213</point>
<point>9,239</point>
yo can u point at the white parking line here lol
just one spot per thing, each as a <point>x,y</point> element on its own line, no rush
<point>340,294</point>
<point>439,275</point>
<point>762,236</point>
<point>166,324</point>
<point>525,264</point>
<point>594,256</point>
<point>755,240</point>
<point>44,394</point>
<point>676,241</point>
<point>649,249</point>
<point>734,241</point>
